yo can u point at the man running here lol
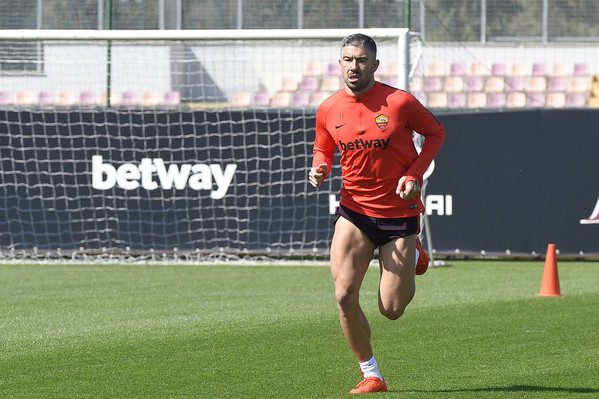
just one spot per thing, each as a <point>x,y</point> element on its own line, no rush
<point>371,124</point>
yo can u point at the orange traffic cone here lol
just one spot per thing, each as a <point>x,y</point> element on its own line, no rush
<point>550,283</point>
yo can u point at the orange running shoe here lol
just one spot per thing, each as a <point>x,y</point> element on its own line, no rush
<point>369,385</point>
<point>422,263</point>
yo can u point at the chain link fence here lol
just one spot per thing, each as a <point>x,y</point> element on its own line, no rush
<point>436,20</point>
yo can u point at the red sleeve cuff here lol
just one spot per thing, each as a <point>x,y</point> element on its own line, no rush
<point>413,178</point>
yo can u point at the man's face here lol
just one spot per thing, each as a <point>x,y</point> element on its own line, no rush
<point>358,66</point>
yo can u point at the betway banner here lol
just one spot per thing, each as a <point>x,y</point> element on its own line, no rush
<point>233,181</point>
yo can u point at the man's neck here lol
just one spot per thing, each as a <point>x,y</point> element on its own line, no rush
<point>357,94</point>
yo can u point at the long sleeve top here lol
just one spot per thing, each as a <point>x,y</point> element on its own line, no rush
<point>374,136</point>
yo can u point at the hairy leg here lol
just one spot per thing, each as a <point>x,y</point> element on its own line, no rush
<point>351,253</point>
<point>397,286</point>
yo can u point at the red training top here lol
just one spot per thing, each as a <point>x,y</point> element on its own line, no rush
<point>374,135</point>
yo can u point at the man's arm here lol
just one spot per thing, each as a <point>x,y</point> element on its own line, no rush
<point>424,122</point>
<point>324,152</point>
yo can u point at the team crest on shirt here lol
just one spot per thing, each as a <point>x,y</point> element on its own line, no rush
<point>382,121</point>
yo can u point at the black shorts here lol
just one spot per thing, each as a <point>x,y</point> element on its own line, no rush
<point>380,230</point>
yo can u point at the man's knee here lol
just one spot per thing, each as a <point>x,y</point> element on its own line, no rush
<point>346,299</point>
<point>395,309</point>
<point>393,313</point>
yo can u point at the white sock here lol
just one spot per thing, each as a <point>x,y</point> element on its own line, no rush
<point>370,368</point>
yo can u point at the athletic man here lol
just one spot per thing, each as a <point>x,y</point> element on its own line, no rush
<point>371,124</point>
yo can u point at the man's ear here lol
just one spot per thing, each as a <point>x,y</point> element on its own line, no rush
<point>376,65</point>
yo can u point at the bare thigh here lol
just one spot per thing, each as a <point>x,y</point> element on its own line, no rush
<point>397,285</point>
<point>351,253</point>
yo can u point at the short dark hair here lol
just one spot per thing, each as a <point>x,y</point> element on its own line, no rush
<point>360,40</point>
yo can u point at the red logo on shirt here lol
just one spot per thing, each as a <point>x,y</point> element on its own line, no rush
<point>382,121</point>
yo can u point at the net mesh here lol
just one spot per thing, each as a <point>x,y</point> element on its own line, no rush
<point>209,176</point>
<point>222,181</point>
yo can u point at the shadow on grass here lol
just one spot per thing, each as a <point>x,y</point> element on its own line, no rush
<point>517,388</point>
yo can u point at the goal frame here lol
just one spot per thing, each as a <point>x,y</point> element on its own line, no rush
<point>400,36</point>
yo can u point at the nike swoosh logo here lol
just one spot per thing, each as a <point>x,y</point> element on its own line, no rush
<point>338,126</point>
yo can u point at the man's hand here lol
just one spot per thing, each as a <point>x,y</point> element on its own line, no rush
<point>407,190</point>
<point>317,174</point>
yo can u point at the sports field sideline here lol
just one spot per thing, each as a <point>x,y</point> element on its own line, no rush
<point>476,329</point>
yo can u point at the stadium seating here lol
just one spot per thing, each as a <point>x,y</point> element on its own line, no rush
<point>67,99</point>
<point>535,100</point>
<point>457,69</point>
<point>516,99</point>
<point>87,99</point>
<point>515,83</point>
<point>496,100</point>
<point>519,69</point>
<point>150,99</point>
<point>454,84</point>
<point>499,69</point>
<point>300,99</point>
<point>478,70</point>
<point>129,99</point>
<point>334,69</point>
<point>556,100</point>
<point>433,84</point>
<point>25,97</point>
<point>318,97</point>
<point>70,98</point>
<point>437,84</point>
<point>477,100</point>
<point>436,69</point>
<point>557,84</point>
<point>576,100</point>
<point>241,99</point>
<point>578,84</point>
<point>416,84</point>
<point>313,69</point>
<point>539,69</point>
<point>536,84</point>
<point>560,70</point>
<point>310,83</point>
<point>289,83</point>
<point>281,99</point>
<point>261,99</point>
<point>581,69</point>
<point>45,98</point>
<point>437,100</point>
<point>6,98</point>
<point>457,100</point>
<point>114,99</point>
<point>495,84</point>
<point>171,98</point>
<point>474,84</point>
<point>330,83</point>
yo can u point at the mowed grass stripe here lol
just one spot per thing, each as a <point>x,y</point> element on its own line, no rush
<point>476,329</point>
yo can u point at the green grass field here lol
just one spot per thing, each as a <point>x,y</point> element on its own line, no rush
<point>476,329</point>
